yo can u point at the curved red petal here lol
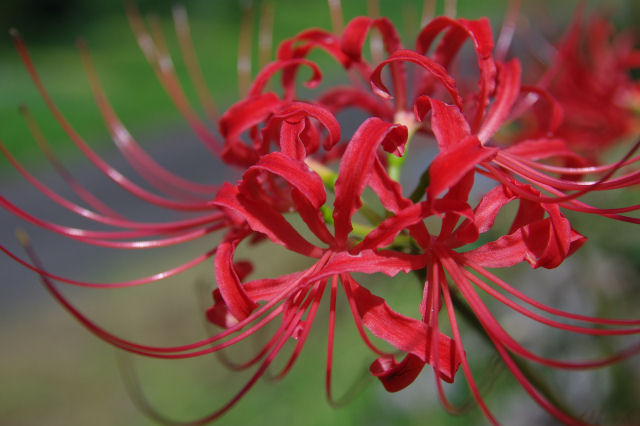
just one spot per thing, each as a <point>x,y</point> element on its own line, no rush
<point>437,70</point>
<point>404,333</point>
<point>267,72</point>
<point>263,218</point>
<point>447,122</point>
<point>453,164</point>
<point>507,91</point>
<point>397,376</point>
<point>352,42</point>
<point>355,167</point>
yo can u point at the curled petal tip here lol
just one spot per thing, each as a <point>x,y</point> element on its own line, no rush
<point>312,84</point>
<point>380,92</point>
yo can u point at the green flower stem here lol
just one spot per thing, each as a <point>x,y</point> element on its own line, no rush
<point>371,215</point>
<point>327,175</point>
<point>329,178</point>
<point>360,231</point>
<point>327,214</point>
<point>420,189</point>
<point>395,165</point>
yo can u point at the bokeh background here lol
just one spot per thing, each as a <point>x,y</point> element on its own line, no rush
<point>54,372</point>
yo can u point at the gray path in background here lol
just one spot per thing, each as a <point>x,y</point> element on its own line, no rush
<point>176,149</point>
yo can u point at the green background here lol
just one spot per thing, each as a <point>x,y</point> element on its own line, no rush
<point>55,373</point>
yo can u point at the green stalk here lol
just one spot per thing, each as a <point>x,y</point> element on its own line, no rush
<point>420,189</point>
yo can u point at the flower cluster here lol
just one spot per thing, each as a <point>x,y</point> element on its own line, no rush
<point>302,183</point>
<point>593,83</point>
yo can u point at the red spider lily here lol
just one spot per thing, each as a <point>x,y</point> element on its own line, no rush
<point>467,142</point>
<point>286,146</point>
<point>591,80</point>
<point>498,85</point>
<point>307,192</point>
<point>540,241</point>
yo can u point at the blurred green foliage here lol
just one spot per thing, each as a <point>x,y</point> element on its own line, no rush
<point>50,27</point>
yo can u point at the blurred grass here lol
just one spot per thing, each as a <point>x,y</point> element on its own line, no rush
<point>57,373</point>
<point>130,84</point>
<point>78,382</point>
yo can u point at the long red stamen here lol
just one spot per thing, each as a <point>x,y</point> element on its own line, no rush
<point>492,327</point>
<point>102,165</point>
<point>507,30</point>
<point>463,356</point>
<point>503,285</point>
<point>428,12</point>
<point>119,284</point>
<point>315,295</point>
<point>183,31</point>
<point>265,34</point>
<point>244,51</point>
<point>346,280</point>
<point>337,22</point>
<point>151,228</point>
<point>62,171</point>
<point>155,50</point>
<point>148,168</point>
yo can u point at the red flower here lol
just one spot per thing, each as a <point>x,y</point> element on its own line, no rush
<point>591,79</point>
<point>294,179</point>
<point>286,147</point>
